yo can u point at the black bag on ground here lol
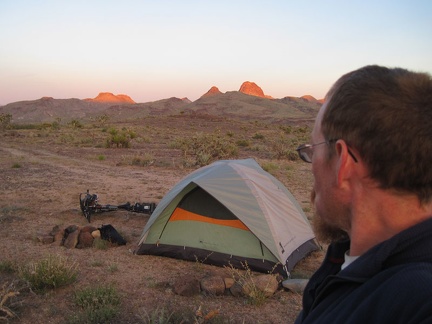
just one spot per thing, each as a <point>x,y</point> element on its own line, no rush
<point>109,233</point>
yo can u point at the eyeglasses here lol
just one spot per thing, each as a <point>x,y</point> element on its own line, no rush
<point>305,151</point>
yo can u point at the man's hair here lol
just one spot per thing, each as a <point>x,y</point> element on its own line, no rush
<point>386,115</point>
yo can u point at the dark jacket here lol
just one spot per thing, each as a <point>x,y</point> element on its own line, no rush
<point>390,283</point>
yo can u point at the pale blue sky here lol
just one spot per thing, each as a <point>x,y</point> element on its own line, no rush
<point>156,49</point>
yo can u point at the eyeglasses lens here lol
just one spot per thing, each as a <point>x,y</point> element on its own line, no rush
<point>305,153</point>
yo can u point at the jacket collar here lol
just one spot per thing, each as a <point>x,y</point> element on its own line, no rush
<point>411,245</point>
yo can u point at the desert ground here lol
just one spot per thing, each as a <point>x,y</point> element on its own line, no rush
<point>44,168</point>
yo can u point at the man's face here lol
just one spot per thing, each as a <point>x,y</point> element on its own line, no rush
<point>332,218</point>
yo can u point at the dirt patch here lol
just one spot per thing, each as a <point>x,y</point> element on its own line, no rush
<point>44,171</point>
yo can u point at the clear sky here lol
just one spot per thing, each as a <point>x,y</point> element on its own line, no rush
<point>156,49</point>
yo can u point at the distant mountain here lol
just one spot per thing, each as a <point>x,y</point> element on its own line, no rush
<point>213,91</point>
<point>236,104</point>
<point>249,103</point>
<point>48,109</point>
<point>185,99</point>
<point>252,89</point>
<point>109,97</point>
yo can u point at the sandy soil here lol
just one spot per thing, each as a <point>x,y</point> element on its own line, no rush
<point>40,182</point>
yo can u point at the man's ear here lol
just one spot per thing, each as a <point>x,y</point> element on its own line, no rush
<point>344,165</point>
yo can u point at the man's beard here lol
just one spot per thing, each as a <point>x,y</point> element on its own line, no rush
<point>325,232</point>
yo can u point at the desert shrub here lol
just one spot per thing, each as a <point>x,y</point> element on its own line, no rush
<point>7,266</point>
<point>98,305</point>
<point>285,148</point>
<point>24,126</point>
<point>167,314</point>
<point>202,149</point>
<point>120,139</point>
<point>74,123</point>
<point>101,157</point>
<point>55,125</point>
<point>49,273</point>
<point>144,160</point>
<point>113,268</point>
<point>258,136</point>
<point>286,129</point>
<point>102,120</point>
<point>269,166</point>
<point>243,143</point>
<point>16,165</point>
<point>9,293</point>
<point>160,315</point>
<point>5,121</point>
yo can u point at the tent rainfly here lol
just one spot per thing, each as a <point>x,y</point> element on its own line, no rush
<point>230,212</point>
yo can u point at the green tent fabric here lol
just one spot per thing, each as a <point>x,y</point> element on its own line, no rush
<point>230,212</point>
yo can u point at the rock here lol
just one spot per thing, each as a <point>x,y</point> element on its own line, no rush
<point>295,285</point>
<point>71,240</point>
<point>214,285</point>
<point>88,229</point>
<point>71,229</point>
<point>187,286</point>
<point>85,240</point>
<point>229,282</point>
<point>96,234</point>
<point>55,230</point>
<point>267,284</point>
<point>59,237</point>
<point>236,289</point>
<point>46,239</point>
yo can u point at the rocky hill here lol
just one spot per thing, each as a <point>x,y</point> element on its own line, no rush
<point>213,91</point>
<point>109,97</point>
<point>252,89</point>
<point>249,103</point>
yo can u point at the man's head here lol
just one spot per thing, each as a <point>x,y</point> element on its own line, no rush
<point>386,116</point>
<point>378,119</point>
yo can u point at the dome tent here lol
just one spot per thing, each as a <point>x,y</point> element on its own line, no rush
<point>228,213</point>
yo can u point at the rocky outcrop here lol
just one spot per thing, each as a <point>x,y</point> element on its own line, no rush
<point>252,89</point>
<point>213,91</point>
<point>310,98</point>
<point>109,97</point>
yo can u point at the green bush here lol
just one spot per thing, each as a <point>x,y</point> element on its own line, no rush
<point>202,149</point>
<point>120,139</point>
<point>7,266</point>
<point>98,304</point>
<point>49,273</point>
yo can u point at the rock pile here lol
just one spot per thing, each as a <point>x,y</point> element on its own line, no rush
<point>265,284</point>
<point>75,236</point>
